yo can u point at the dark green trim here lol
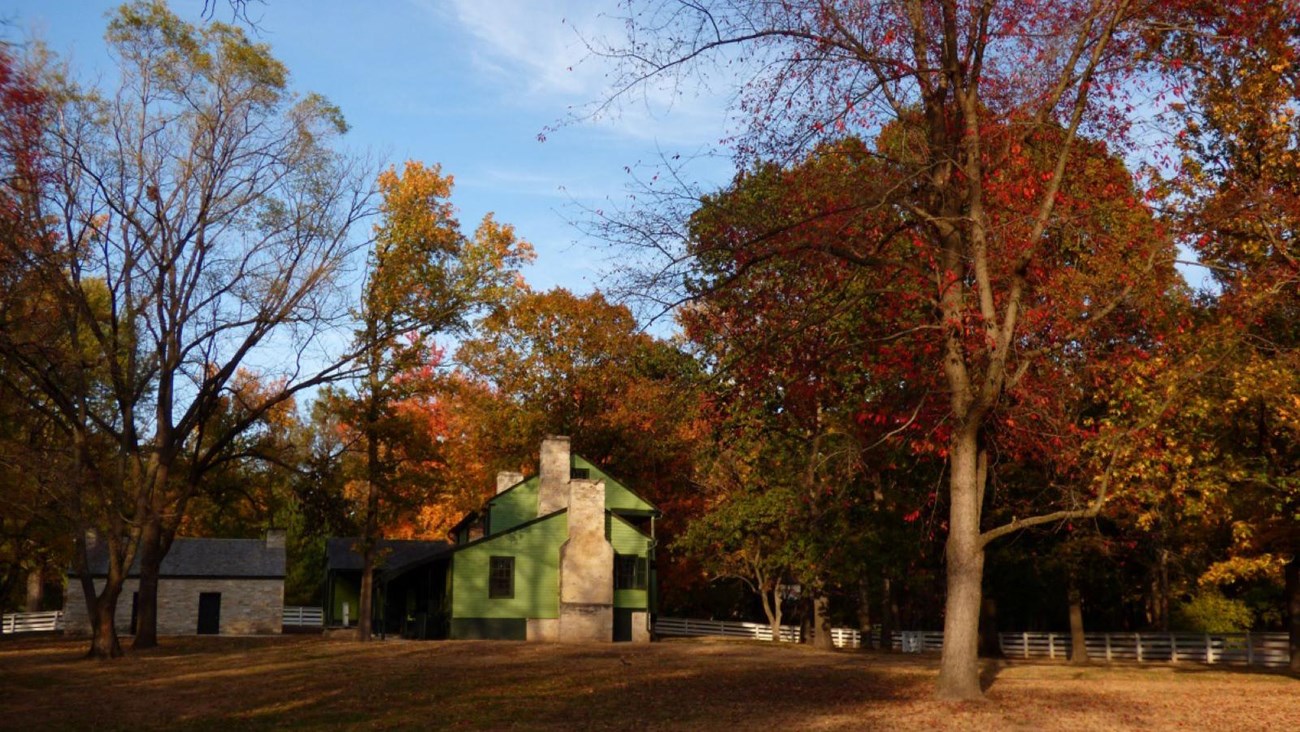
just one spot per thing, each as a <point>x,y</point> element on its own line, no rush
<point>469,517</point>
<point>489,629</point>
<point>635,512</point>
<point>196,576</point>
<point>630,525</point>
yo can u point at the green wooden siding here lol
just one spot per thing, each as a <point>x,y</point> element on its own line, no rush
<point>345,589</point>
<point>513,507</point>
<point>536,549</point>
<point>626,539</point>
<point>617,496</point>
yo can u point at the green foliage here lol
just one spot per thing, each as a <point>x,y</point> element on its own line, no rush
<point>1210,612</point>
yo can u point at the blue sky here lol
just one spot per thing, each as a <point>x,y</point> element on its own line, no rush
<point>465,83</point>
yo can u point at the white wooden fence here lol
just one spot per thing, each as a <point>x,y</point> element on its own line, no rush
<point>1250,649</point>
<point>47,622</point>
<point>756,631</point>
<point>301,616</point>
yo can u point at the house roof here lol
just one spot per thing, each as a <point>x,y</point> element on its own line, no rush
<point>340,552</point>
<point>193,557</point>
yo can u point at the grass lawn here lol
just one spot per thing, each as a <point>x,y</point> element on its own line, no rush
<point>306,682</point>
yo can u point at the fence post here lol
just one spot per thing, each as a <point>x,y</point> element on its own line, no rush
<point>1173,648</point>
<point>1138,637</point>
<point>1250,650</point>
<point>1024,639</point>
<point>1209,649</point>
<point>1051,646</point>
<point>1108,659</point>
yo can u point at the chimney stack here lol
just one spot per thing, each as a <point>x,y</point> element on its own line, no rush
<point>553,491</point>
<point>275,538</point>
<point>586,567</point>
<point>507,479</point>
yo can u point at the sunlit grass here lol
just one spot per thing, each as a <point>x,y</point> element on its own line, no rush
<point>309,683</point>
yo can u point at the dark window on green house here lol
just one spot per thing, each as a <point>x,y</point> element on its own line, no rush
<point>501,577</point>
<point>630,572</point>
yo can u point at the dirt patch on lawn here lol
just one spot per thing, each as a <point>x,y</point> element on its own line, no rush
<point>307,683</point>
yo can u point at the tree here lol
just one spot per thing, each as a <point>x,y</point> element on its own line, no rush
<point>556,363</point>
<point>748,533</point>
<point>203,223</point>
<point>30,523</point>
<point>785,352</point>
<point>426,278</point>
<point>1240,149</point>
<point>978,112</point>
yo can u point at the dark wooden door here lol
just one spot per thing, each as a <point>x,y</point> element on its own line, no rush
<point>209,613</point>
<point>622,625</point>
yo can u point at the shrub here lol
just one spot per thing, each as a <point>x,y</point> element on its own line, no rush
<point>1210,612</point>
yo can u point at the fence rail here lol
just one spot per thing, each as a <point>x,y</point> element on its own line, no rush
<point>300,616</point>
<point>729,629</point>
<point>1251,649</point>
<point>1270,650</point>
<point>47,622</point>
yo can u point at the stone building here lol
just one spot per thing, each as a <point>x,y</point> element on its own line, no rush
<point>206,586</point>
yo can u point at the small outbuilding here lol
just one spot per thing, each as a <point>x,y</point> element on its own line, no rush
<point>205,587</point>
<point>343,567</point>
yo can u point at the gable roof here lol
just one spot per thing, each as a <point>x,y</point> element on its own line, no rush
<point>340,552</point>
<point>649,509</point>
<point>193,557</point>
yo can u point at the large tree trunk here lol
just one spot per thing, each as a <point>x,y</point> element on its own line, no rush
<point>864,613</point>
<point>374,474</point>
<point>369,542</point>
<point>822,621</point>
<point>1293,607</point>
<point>888,615</point>
<point>1159,615</point>
<point>1078,642</point>
<point>151,556</point>
<point>103,617</point>
<point>770,597</point>
<point>1164,589</point>
<point>35,591</point>
<point>366,600</point>
<point>102,644</point>
<point>959,674</point>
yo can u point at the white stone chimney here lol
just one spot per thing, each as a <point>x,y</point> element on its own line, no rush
<point>507,479</point>
<point>553,491</point>
<point>586,567</point>
<point>275,538</point>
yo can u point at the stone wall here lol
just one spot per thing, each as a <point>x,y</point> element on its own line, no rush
<point>640,626</point>
<point>248,606</point>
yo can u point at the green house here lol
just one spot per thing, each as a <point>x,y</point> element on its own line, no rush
<point>566,555</point>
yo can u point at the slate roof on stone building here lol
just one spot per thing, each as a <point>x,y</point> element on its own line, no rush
<point>341,554</point>
<point>191,557</point>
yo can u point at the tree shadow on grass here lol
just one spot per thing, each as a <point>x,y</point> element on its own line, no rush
<point>989,670</point>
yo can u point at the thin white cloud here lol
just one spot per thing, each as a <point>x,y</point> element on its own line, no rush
<point>537,50</point>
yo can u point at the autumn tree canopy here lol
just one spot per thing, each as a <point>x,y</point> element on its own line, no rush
<point>982,120</point>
